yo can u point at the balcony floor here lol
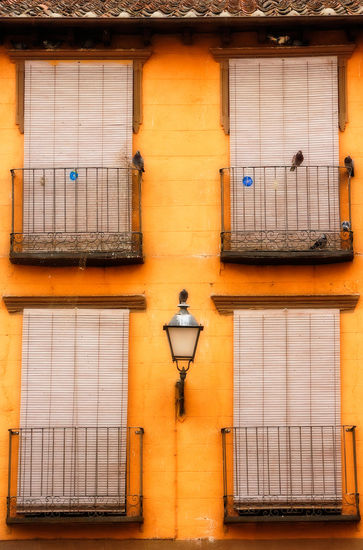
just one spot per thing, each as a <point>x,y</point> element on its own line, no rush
<point>270,518</point>
<point>292,257</point>
<point>79,249</point>
<point>52,519</point>
<point>59,259</point>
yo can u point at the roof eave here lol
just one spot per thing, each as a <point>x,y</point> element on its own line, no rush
<point>207,21</point>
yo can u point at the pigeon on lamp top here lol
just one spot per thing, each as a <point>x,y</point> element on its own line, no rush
<point>349,164</point>
<point>321,242</point>
<point>138,161</point>
<point>297,159</point>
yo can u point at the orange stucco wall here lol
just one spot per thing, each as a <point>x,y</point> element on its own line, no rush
<point>184,146</point>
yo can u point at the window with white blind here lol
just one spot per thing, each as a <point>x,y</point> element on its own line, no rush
<point>72,446</point>
<point>279,106</point>
<point>77,136</point>
<point>287,444</point>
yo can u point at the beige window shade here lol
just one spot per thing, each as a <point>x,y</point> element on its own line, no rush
<point>77,115</point>
<point>277,107</point>
<point>287,404</point>
<point>73,404</point>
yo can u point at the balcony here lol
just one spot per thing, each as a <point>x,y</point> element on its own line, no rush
<point>76,216</point>
<point>75,475</point>
<point>272,215</point>
<point>290,473</point>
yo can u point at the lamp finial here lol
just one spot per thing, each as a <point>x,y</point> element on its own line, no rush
<point>183,296</point>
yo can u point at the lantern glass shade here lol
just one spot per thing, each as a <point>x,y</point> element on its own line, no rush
<point>183,341</point>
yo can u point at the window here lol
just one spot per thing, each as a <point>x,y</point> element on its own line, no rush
<point>77,194</point>
<point>287,438</point>
<point>280,106</point>
<point>73,436</point>
<point>78,117</point>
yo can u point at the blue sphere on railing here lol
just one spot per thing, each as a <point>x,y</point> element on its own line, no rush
<point>73,175</point>
<point>247,181</point>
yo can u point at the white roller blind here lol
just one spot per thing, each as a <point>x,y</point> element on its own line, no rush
<point>277,107</point>
<point>287,406</point>
<point>73,405</point>
<point>77,115</point>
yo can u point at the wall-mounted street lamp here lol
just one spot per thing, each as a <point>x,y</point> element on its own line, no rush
<point>183,335</point>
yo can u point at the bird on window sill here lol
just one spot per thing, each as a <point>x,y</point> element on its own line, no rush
<point>284,40</point>
<point>321,242</point>
<point>51,44</point>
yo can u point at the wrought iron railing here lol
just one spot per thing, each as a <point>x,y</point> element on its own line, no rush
<point>75,474</point>
<point>76,213</point>
<point>289,473</point>
<point>272,210</point>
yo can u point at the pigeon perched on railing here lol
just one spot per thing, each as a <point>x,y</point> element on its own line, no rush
<point>321,242</point>
<point>349,164</point>
<point>345,226</point>
<point>138,161</point>
<point>297,159</point>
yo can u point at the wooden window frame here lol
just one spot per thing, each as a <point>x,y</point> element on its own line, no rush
<point>342,51</point>
<point>133,302</point>
<point>138,57</point>
<point>226,304</point>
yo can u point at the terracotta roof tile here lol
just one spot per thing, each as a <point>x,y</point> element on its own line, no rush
<point>177,8</point>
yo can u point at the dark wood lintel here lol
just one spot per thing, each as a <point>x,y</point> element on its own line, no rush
<point>140,54</point>
<point>134,302</point>
<point>344,50</point>
<point>227,304</point>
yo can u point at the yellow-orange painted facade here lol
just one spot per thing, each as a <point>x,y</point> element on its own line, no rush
<point>184,146</point>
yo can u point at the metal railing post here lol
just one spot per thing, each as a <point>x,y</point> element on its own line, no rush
<point>140,219</point>
<point>224,431</point>
<point>221,178</point>
<point>355,470</point>
<point>140,431</point>
<point>8,503</point>
<point>12,200</point>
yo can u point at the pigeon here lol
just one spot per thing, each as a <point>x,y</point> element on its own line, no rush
<point>88,44</point>
<point>183,296</point>
<point>349,164</point>
<point>297,159</point>
<point>320,242</point>
<point>138,161</point>
<point>284,40</point>
<point>51,44</point>
<point>19,45</point>
<point>345,226</point>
